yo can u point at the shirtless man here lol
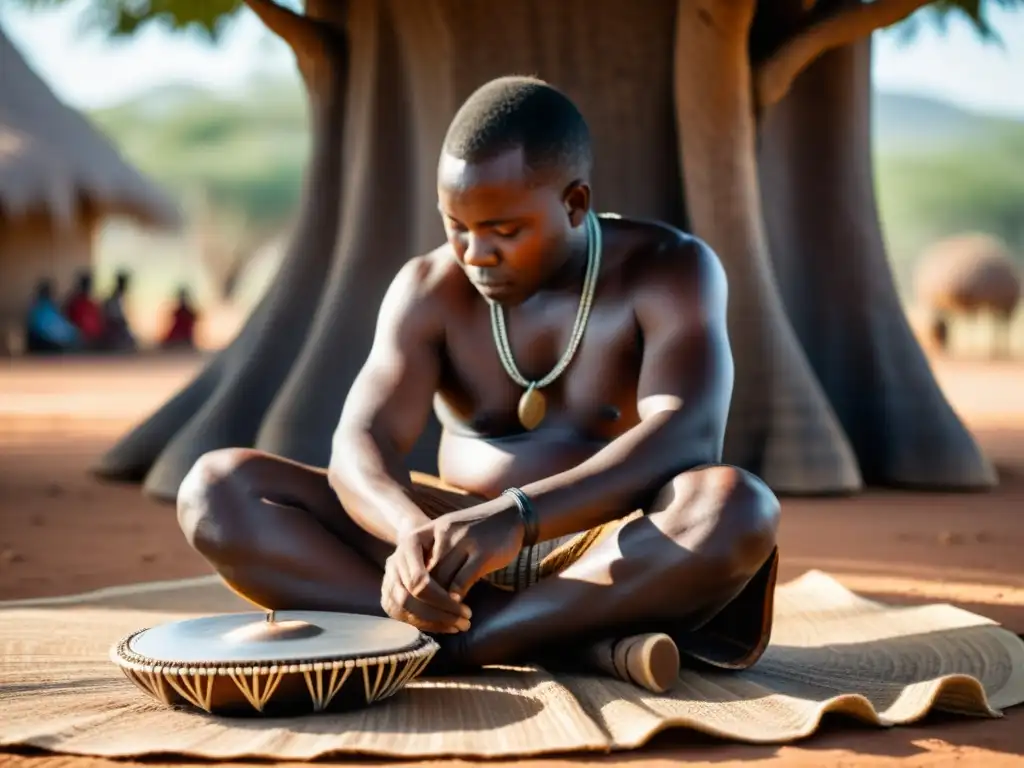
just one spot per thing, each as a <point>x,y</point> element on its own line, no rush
<point>621,522</point>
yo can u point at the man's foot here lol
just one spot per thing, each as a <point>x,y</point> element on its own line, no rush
<point>650,661</point>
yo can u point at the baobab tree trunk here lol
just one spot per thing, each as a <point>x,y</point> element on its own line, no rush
<point>780,422</point>
<point>665,86</point>
<point>835,279</point>
<point>226,403</point>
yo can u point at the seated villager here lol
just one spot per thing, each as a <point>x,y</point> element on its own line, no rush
<point>47,331</point>
<point>582,372</point>
<point>181,329</point>
<point>84,312</point>
<point>117,332</point>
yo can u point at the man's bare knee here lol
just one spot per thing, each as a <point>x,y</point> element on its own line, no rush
<point>736,514</point>
<point>748,520</point>
<point>210,499</point>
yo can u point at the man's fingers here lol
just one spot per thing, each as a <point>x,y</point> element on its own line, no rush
<point>466,576</point>
<point>425,587</point>
<point>400,605</point>
<point>447,567</point>
<point>439,548</point>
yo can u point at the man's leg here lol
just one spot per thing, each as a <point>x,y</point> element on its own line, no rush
<point>707,535</point>
<point>277,534</point>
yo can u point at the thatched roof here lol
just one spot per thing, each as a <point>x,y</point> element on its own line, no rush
<point>968,271</point>
<point>52,158</point>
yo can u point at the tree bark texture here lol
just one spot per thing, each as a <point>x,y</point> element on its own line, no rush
<point>666,88</point>
<point>780,424</point>
<point>838,288</point>
<point>226,404</point>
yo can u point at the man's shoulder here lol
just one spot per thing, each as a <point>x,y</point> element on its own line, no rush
<point>431,279</point>
<point>660,255</point>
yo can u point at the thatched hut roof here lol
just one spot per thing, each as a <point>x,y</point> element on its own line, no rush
<point>52,159</point>
<point>967,272</point>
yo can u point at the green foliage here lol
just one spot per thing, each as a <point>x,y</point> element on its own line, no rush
<point>126,17</point>
<point>974,10</point>
<point>245,156</point>
<point>940,12</point>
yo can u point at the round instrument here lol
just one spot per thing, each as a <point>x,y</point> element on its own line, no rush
<point>281,663</point>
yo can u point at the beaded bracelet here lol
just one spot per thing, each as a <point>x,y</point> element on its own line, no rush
<point>527,514</point>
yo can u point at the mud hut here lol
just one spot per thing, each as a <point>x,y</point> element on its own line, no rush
<point>59,179</point>
<point>968,275</point>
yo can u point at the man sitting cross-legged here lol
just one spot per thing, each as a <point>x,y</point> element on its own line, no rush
<point>582,372</point>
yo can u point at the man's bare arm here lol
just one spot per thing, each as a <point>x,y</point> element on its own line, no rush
<point>683,397</point>
<point>387,409</point>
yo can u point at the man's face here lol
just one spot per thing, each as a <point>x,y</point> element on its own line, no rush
<point>509,229</point>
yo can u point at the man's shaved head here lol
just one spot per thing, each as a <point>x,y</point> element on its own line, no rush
<point>522,113</point>
<point>513,187</point>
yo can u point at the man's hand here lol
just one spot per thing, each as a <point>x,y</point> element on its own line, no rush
<point>470,543</point>
<point>434,566</point>
<point>411,595</point>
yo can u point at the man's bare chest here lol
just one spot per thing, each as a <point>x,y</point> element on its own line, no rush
<point>594,397</point>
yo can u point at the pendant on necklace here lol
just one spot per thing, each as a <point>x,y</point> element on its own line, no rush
<point>532,407</point>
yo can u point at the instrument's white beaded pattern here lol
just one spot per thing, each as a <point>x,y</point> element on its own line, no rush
<point>412,669</point>
<point>382,676</point>
<point>195,686</point>
<point>315,683</point>
<point>500,331</point>
<point>152,682</point>
<point>251,690</point>
<point>383,691</point>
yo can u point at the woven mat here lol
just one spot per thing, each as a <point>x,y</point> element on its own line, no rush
<point>831,652</point>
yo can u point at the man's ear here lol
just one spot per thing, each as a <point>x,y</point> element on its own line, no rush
<point>576,199</point>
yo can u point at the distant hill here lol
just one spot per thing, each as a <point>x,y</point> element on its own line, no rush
<point>902,122</point>
<point>243,151</point>
<point>939,168</point>
<point>160,101</point>
<point>237,159</point>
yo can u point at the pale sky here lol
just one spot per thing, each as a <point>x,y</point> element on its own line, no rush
<point>87,70</point>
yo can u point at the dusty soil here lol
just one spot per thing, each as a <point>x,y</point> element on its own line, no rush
<point>62,531</point>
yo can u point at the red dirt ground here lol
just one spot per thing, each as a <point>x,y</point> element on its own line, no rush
<point>61,531</point>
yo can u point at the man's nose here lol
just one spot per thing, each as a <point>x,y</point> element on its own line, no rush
<point>480,253</point>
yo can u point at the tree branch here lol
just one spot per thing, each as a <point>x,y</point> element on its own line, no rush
<point>294,28</point>
<point>316,42</point>
<point>775,75</point>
